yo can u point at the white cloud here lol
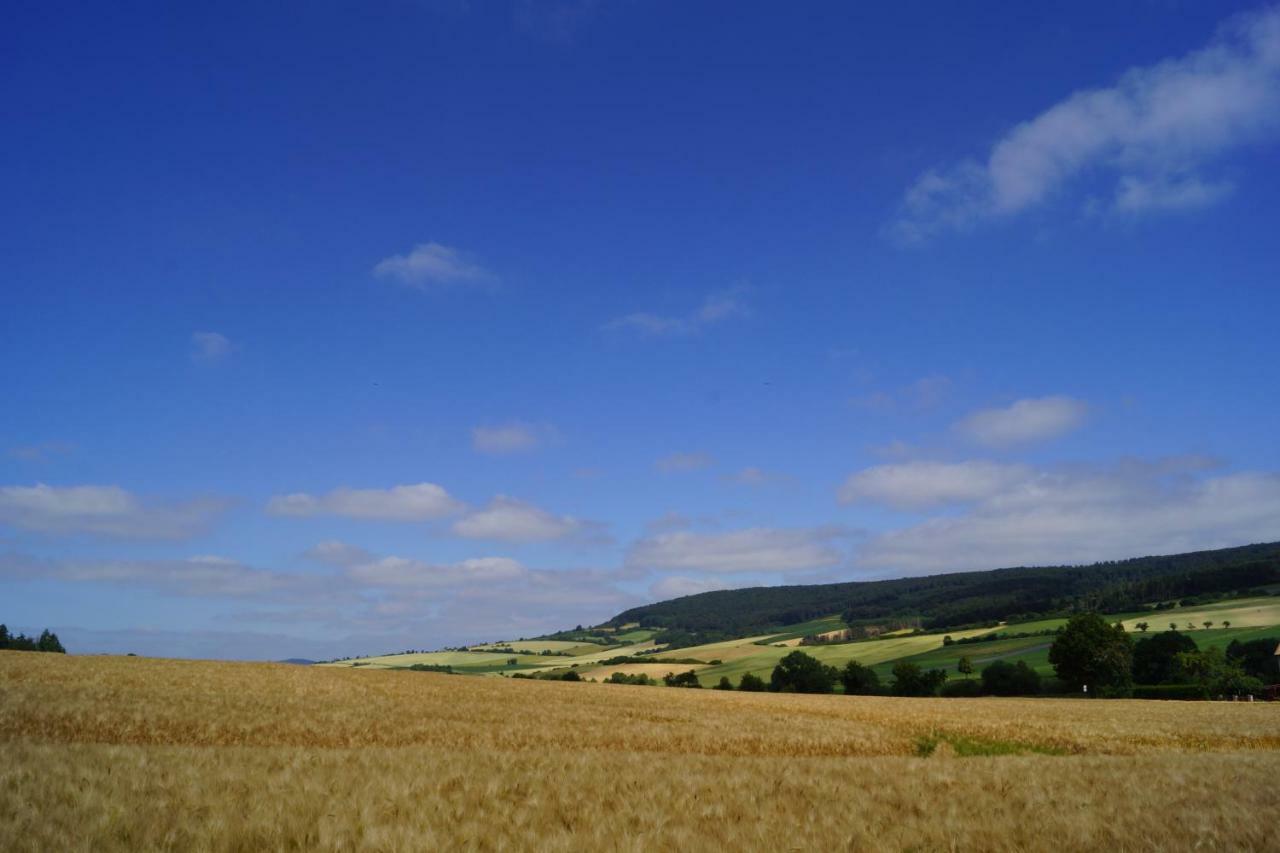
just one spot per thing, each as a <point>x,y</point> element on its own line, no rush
<point>104,511</point>
<point>209,347</point>
<point>1150,131</point>
<point>758,549</point>
<point>678,586</point>
<point>403,572</point>
<point>1083,515</point>
<point>201,577</point>
<point>42,451</point>
<point>420,502</point>
<point>1025,422</point>
<point>716,308</point>
<point>510,438</point>
<point>431,265</point>
<point>750,476</point>
<point>335,553</point>
<point>1164,192</point>
<point>921,484</point>
<point>684,462</point>
<point>507,519</point>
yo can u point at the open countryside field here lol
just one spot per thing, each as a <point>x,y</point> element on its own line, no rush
<point>102,752</point>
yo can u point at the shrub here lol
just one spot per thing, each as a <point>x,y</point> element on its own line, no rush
<point>1008,679</point>
<point>751,683</point>
<point>859,679</point>
<point>801,673</point>
<point>1170,691</point>
<point>724,683</point>
<point>571,676</point>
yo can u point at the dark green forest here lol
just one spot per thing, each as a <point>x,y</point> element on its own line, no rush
<point>967,598</point>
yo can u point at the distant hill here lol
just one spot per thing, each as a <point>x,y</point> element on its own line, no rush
<point>298,661</point>
<point>966,598</point>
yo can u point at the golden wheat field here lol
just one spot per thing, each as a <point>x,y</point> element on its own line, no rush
<point>108,753</point>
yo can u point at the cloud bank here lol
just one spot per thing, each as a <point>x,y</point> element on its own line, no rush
<point>1151,133</point>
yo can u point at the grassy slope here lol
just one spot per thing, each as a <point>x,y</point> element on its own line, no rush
<point>1250,619</point>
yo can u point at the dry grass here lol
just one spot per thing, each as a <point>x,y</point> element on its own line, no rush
<point>128,753</point>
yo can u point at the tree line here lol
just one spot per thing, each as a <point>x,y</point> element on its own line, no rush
<point>46,642</point>
<point>1089,655</point>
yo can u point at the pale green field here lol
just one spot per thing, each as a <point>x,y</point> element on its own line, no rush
<point>1242,613</point>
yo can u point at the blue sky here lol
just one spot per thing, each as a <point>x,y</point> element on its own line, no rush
<point>334,328</point>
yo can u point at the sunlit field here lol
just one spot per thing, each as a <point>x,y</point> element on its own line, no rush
<point>130,753</point>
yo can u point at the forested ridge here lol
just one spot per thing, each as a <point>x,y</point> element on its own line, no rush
<point>963,598</point>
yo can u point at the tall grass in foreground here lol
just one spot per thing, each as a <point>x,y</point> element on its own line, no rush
<point>129,753</point>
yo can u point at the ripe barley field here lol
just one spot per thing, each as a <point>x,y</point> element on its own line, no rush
<point>111,753</point>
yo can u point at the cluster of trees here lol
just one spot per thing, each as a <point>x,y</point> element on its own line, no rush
<point>965,598</point>
<point>46,642</point>
<point>1106,659</point>
<point>623,678</point>
<point>689,678</point>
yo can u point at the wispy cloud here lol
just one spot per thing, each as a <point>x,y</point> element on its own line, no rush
<point>677,462</point>
<point>921,484</point>
<point>420,502</point>
<point>42,451</point>
<point>919,396</point>
<point>1151,132</point>
<point>507,519</point>
<point>715,309</point>
<point>678,586</point>
<point>1086,514</point>
<point>433,265</point>
<point>209,347</point>
<point>516,437</point>
<point>104,511</point>
<point>1025,422</point>
<point>554,20</point>
<point>759,549</point>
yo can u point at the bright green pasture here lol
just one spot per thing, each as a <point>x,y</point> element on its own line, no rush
<point>1033,650</point>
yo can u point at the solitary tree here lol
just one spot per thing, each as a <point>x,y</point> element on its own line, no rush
<point>1173,626</point>
<point>1225,624</point>
<point>724,683</point>
<point>801,673</point>
<point>1142,626</point>
<point>965,666</point>
<point>1208,623</point>
<point>1089,651</point>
